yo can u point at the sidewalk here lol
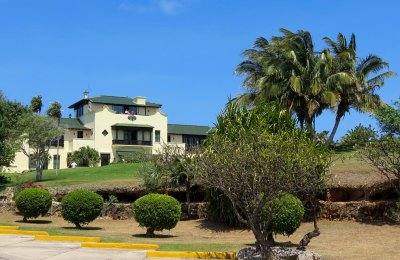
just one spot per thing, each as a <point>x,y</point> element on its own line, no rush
<point>20,247</point>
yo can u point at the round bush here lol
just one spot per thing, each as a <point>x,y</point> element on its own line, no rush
<point>81,207</point>
<point>157,212</point>
<point>290,212</point>
<point>33,202</point>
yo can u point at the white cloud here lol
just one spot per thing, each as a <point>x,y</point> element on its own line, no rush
<point>167,7</point>
<point>170,7</point>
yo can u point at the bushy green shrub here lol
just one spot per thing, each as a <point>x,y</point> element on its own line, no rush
<point>85,156</point>
<point>4,179</point>
<point>220,209</point>
<point>81,207</point>
<point>33,202</point>
<point>156,212</point>
<point>287,211</point>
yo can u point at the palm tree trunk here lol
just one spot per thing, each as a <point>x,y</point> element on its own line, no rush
<point>335,127</point>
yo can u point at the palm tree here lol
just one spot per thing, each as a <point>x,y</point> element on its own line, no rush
<point>36,104</point>
<point>367,72</point>
<point>289,70</point>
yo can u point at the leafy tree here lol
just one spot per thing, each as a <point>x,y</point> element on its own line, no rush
<point>389,118</point>
<point>370,74</point>
<point>36,104</point>
<point>172,167</point>
<point>86,156</point>
<point>384,154</point>
<point>10,114</point>
<point>259,158</point>
<point>37,133</point>
<point>360,135</point>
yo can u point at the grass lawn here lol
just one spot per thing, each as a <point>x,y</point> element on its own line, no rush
<point>338,239</point>
<point>110,174</point>
<point>347,170</point>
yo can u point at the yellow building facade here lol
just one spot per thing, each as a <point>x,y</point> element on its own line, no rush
<point>115,126</point>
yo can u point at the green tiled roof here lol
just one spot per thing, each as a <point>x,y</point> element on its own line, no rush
<point>111,100</point>
<point>188,129</point>
<point>133,125</point>
<point>72,123</point>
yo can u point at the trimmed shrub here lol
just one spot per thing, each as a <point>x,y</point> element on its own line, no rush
<point>85,156</point>
<point>81,207</point>
<point>33,202</point>
<point>288,213</point>
<point>156,212</point>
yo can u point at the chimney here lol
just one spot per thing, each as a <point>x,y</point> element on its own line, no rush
<point>85,94</point>
<point>140,100</point>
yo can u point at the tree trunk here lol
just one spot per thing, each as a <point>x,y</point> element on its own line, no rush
<point>78,225</point>
<point>270,237</point>
<point>187,184</point>
<point>38,173</point>
<point>335,128</point>
<point>262,242</point>
<point>307,237</point>
<point>150,232</point>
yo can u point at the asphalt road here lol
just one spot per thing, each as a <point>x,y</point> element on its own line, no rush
<point>19,247</point>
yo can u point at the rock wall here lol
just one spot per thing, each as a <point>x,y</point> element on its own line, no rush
<point>356,210</point>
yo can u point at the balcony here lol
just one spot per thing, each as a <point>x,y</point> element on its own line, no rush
<point>132,142</point>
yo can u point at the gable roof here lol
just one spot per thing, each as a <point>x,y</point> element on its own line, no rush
<point>112,100</point>
<point>72,123</point>
<point>188,129</point>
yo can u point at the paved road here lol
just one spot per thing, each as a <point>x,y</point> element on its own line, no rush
<point>19,247</point>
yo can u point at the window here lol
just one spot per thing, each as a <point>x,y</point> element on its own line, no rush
<point>131,110</point>
<point>56,161</point>
<point>118,109</point>
<point>157,136</point>
<point>79,111</point>
<point>169,138</point>
<point>80,134</point>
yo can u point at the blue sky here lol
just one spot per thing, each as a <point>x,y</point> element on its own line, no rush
<point>180,53</point>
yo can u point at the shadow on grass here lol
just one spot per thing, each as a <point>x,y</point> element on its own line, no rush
<point>154,236</point>
<point>378,223</point>
<point>83,228</point>
<point>35,221</point>
<point>219,227</point>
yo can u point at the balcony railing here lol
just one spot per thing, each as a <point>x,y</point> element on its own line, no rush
<point>132,142</point>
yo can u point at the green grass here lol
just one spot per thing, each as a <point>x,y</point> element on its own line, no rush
<point>113,173</point>
<point>201,247</point>
<point>345,163</point>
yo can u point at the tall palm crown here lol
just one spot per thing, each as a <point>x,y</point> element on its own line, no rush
<point>368,74</point>
<point>289,70</point>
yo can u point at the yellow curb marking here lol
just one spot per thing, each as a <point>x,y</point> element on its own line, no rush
<point>22,232</point>
<point>9,227</point>
<point>177,254</point>
<point>68,238</point>
<point>120,246</point>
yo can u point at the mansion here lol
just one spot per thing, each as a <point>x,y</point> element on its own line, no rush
<point>116,126</point>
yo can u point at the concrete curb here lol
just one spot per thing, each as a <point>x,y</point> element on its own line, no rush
<point>68,238</point>
<point>9,227</point>
<point>120,246</point>
<point>204,255</point>
<point>22,232</point>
